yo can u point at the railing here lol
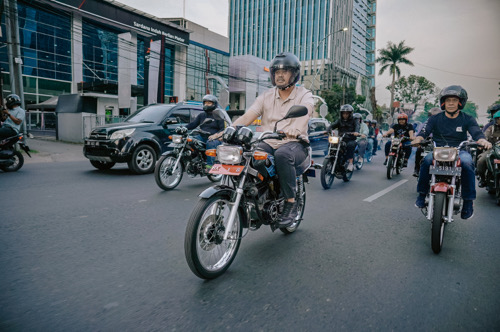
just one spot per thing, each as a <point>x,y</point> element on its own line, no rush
<point>41,123</point>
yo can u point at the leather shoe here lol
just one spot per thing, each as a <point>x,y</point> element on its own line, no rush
<point>467,209</point>
<point>420,202</point>
<point>385,162</point>
<point>288,215</point>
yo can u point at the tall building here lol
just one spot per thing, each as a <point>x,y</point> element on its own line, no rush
<point>314,30</point>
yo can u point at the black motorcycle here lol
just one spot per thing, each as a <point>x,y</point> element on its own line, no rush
<point>11,158</point>
<point>395,162</point>
<point>187,154</point>
<point>492,175</point>
<point>335,163</point>
<point>248,197</point>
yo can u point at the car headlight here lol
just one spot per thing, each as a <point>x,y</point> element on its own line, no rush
<point>445,154</point>
<point>333,139</point>
<point>229,154</point>
<point>177,139</point>
<point>121,133</point>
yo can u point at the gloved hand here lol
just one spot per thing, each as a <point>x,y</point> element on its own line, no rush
<point>180,130</point>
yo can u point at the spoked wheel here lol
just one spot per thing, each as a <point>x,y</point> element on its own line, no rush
<point>300,198</point>
<point>399,165</point>
<point>390,167</point>
<point>369,157</point>
<point>360,161</point>
<point>326,173</point>
<point>166,178</point>
<point>439,211</point>
<point>207,253</point>
<point>18,160</point>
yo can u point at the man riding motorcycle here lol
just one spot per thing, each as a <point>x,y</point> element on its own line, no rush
<point>347,124</point>
<point>493,136</point>
<point>400,129</point>
<point>450,128</point>
<point>363,131</point>
<point>272,106</point>
<point>14,116</point>
<point>493,110</point>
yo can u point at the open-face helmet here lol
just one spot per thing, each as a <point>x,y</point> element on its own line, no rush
<point>286,61</point>
<point>12,100</point>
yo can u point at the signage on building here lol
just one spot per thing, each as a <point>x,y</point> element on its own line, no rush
<point>103,9</point>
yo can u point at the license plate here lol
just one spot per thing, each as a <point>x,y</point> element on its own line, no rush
<point>226,169</point>
<point>445,170</point>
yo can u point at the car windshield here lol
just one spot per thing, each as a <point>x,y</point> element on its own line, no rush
<point>149,114</point>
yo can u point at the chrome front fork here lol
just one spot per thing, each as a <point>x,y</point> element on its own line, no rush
<point>234,208</point>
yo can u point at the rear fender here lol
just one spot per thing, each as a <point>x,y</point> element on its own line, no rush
<point>441,187</point>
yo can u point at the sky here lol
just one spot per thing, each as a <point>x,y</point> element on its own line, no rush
<point>455,41</point>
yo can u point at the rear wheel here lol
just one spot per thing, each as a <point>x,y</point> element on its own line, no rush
<point>390,167</point>
<point>207,253</point>
<point>102,165</point>
<point>18,160</point>
<point>143,160</point>
<point>300,198</point>
<point>439,212</point>
<point>347,175</point>
<point>326,173</point>
<point>360,161</point>
<point>165,177</point>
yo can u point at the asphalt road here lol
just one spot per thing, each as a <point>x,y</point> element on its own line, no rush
<point>82,250</point>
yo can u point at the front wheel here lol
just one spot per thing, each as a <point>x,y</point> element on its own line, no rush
<point>300,198</point>
<point>18,160</point>
<point>390,167</point>
<point>326,173</point>
<point>439,212</point>
<point>207,253</point>
<point>399,165</point>
<point>166,178</point>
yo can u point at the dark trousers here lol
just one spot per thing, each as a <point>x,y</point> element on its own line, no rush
<point>406,149</point>
<point>468,179</point>
<point>351,146</point>
<point>287,158</point>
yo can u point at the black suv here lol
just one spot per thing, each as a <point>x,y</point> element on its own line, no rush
<point>140,139</point>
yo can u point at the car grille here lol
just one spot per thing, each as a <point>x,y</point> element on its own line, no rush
<point>98,136</point>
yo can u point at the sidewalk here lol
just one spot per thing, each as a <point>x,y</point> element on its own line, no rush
<point>48,150</point>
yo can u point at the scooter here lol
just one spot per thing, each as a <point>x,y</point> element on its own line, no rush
<point>11,158</point>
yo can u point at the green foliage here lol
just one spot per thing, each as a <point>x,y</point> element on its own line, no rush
<point>414,89</point>
<point>338,96</point>
<point>470,108</point>
<point>422,117</point>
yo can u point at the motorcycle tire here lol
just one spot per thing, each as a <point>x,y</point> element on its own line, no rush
<point>143,160</point>
<point>163,167</point>
<point>368,157</point>
<point>390,167</point>
<point>399,165</point>
<point>346,177</point>
<point>207,254</point>
<point>18,163</point>
<point>438,224</point>
<point>102,165</point>
<point>359,162</point>
<point>300,198</point>
<point>326,173</point>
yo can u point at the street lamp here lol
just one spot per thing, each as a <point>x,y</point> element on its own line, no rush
<point>317,49</point>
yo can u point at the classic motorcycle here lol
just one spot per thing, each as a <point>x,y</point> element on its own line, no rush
<point>445,197</point>
<point>187,154</point>
<point>395,163</point>
<point>335,163</point>
<point>492,175</point>
<point>249,196</point>
<point>11,158</point>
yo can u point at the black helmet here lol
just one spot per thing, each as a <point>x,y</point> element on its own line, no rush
<point>289,62</point>
<point>212,99</point>
<point>368,121</point>
<point>453,91</point>
<point>346,108</point>
<point>374,122</point>
<point>495,108</point>
<point>12,100</point>
<point>358,117</point>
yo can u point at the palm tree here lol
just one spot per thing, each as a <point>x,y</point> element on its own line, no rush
<point>390,57</point>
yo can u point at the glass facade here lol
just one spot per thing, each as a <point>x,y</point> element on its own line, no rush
<point>45,42</point>
<point>201,62</point>
<point>359,35</point>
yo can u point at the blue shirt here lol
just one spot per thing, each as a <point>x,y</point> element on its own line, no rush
<point>451,132</point>
<point>16,112</point>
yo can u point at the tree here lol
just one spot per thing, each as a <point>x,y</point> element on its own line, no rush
<point>390,57</point>
<point>470,108</point>
<point>337,96</point>
<point>414,89</point>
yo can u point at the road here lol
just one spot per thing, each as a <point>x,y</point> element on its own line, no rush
<point>82,250</point>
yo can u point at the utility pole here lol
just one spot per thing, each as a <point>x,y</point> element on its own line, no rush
<point>14,49</point>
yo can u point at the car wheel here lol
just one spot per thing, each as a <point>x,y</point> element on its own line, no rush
<point>143,160</point>
<point>102,165</point>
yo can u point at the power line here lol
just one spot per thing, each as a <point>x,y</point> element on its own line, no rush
<point>451,72</point>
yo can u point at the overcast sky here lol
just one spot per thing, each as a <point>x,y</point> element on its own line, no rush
<point>455,41</point>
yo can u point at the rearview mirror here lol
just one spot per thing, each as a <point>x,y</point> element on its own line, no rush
<point>296,111</point>
<point>171,120</point>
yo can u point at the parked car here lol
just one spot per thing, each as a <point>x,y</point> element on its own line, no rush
<point>140,139</point>
<point>318,135</point>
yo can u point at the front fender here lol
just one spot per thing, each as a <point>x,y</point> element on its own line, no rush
<point>167,153</point>
<point>209,192</point>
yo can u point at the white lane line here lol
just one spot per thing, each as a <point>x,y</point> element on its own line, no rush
<point>385,191</point>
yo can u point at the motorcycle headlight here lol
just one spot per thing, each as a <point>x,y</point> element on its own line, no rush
<point>229,154</point>
<point>229,134</point>
<point>333,139</point>
<point>445,154</point>
<point>176,139</point>
<point>396,141</point>
<point>121,134</point>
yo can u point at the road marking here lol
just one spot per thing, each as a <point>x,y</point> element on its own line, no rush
<point>385,191</point>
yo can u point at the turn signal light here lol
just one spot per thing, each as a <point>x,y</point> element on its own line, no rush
<point>260,155</point>
<point>211,153</point>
